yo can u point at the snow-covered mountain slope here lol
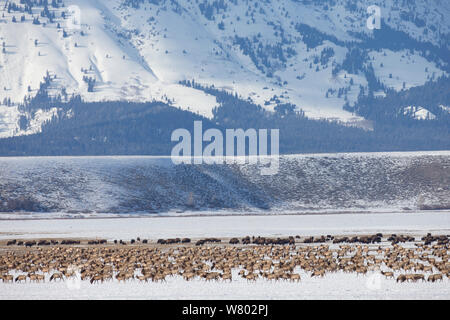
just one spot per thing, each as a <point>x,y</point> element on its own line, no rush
<point>304,183</point>
<point>268,51</point>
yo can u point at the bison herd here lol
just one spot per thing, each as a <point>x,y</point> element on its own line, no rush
<point>404,259</point>
<point>32,243</point>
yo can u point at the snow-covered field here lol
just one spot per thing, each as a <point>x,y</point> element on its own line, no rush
<point>228,226</point>
<point>332,286</point>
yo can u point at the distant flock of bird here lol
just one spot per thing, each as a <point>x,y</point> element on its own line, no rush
<point>405,258</point>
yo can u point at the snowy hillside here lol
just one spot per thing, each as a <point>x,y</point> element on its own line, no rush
<point>268,51</point>
<point>306,183</point>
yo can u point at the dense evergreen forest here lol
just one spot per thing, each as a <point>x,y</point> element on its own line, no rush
<point>128,128</point>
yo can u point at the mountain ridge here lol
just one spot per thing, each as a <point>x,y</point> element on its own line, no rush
<point>141,50</point>
<point>358,182</point>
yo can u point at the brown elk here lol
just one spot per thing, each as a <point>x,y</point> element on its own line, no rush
<point>56,276</point>
<point>21,278</point>
<point>7,278</point>
<point>435,277</point>
<point>295,277</point>
<point>388,274</point>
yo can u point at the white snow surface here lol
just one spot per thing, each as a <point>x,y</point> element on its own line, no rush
<point>275,225</point>
<point>402,69</point>
<point>419,113</point>
<point>338,286</point>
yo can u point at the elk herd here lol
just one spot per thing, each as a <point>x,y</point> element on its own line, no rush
<point>404,259</point>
